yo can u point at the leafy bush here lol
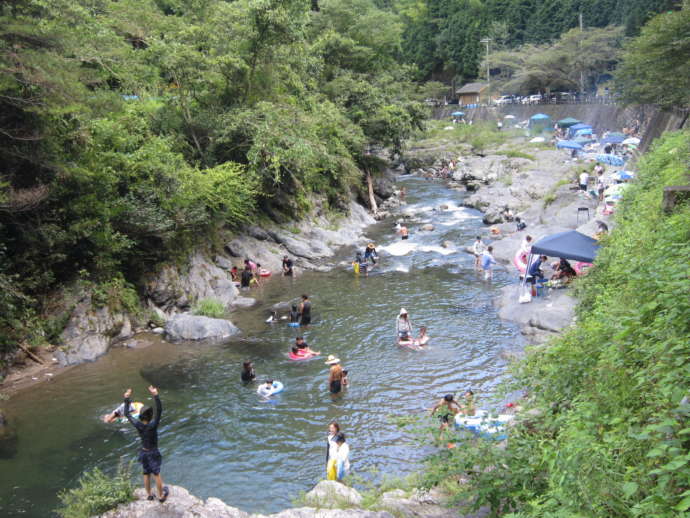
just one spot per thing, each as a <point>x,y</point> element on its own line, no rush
<point>607,434</point>
<point>512,153</point>
<point>210,308</point>
<point>96,494</point>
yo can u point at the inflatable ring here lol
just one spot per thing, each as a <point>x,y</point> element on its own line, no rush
<point>293,324</point>
<point>299,357</point>
<point>277,388</point>
<point>581,268</point>
<point>483,425</point>
<point>520,261</point>
<point>263,272</point>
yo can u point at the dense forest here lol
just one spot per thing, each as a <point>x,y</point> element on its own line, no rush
<point>130,128</point>
<point>442,37</point>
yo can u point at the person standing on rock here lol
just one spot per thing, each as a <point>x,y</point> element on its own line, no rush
<point>331,445</point>
<point>370,253</point>
<point>478,249</point>
<point>149,456</point>
<point>305,311</point>
<point>584,180</point>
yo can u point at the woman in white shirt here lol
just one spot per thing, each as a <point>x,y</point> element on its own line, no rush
<point>342,461</point>
<point>331,445</point>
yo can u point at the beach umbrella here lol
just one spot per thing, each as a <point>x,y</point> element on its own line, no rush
<point>509,117</point>
<point>567,122</point>
<point>539,117</point>
<point>618,134</point>
<point>610,160</point>
<point>612,139</point>
<point>568,144</point>
<point>631,141</point>
<point>458,114</point>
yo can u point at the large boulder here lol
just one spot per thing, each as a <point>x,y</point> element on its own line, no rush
<point>176,288</point>
<point>91,331</point>
<point>193,327</point>
<point>330,494</point>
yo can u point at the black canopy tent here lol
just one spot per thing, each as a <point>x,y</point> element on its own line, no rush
<point>568,245</point>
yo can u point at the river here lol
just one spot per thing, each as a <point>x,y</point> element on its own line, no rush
<point>218,439</point>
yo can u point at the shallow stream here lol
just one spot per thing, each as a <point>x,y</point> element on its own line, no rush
<point>218,439</point>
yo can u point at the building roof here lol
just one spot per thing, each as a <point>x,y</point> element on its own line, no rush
<point>471,88</point>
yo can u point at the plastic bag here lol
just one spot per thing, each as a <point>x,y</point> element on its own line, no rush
<point>525,296</point>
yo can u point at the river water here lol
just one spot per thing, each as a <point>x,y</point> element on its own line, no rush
<point>218,439</point>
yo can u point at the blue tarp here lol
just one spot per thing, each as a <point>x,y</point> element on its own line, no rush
<point>610,160</point>
<point>570,245</point>
<point>568,144</point>
<point>572,130</point>
<point>539,116</point>
<point>458,114</point>
<point>613,139</point>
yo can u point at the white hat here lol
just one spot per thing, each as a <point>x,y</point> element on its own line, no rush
<point>403,311</point>
<point>332,360</point>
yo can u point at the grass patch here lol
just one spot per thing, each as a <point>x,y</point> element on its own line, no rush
<point>212,308</point>
<point>513,153</point>
<point>479,136</point>
<point>97,493</point>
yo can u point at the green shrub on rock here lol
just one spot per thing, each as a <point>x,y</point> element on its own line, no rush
<point>96,494</point>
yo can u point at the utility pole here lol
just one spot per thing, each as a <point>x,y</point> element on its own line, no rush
<point>582,74</point>
<point>488,68</point>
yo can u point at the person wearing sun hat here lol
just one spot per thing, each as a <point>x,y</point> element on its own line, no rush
<point>403,326</point>
<point>370,253</point>
<point>335,375</point>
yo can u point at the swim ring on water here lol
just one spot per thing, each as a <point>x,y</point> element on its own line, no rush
<point>134,410</point>
<point>276,388</point>
<point>298,357</point>
<point>293,324</point>
<point>484,425</point>
<point>520,261</point>
<point>264,272</point>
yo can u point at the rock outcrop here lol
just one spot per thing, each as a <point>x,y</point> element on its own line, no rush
<point>181,504</point>
<point>91,331</point>
<point>193,327</point>
<point>329,500</point>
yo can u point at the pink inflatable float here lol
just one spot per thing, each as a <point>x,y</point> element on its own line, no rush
<point>520,261</point>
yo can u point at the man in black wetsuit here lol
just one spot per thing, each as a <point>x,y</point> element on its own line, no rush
<point>149,456</point>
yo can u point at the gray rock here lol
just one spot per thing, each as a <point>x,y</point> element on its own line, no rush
<point>279,306</point>
<point>383,186</point>
<point>428,227</point>
<point>90,332</point>
<point>193,327</point>
<point>158,330</point>
<point>243,302</point>
<point>447,244</point>
<point>330,494</point>
<point>181,504</point>
<point>223,262</point>
<point>258,233</point>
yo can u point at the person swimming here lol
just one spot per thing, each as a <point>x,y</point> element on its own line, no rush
<point>119,412</point>
<point>303,349</point>
<point>248,373</point>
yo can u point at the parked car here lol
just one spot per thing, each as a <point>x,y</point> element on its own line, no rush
<point>504,99</point>
<point>534,99</point>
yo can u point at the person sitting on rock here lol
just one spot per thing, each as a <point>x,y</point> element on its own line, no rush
<point>563,270</point>
<point>519,224</point>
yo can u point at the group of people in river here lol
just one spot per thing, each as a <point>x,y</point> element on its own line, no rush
<point>252,273</point>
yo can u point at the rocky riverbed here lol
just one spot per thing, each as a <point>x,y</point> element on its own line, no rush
<point>537,184</point>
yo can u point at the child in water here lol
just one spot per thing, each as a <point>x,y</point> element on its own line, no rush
<point>294,314</point>
<point>344,381</point>
<point>423,338</point>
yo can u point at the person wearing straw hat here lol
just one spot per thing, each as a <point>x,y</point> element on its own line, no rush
<point>335,375</point>
<point>403,326</point>
<point>370,253</point>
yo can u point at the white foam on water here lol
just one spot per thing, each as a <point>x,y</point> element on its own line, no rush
<point>401,268</point>
<point>437,249</point>
<point>400,248</point>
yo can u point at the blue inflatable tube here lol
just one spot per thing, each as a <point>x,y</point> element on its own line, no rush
<point>277,388</point>
<point>293,324</point>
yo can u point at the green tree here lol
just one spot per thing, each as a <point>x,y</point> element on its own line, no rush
<point>655,66</point>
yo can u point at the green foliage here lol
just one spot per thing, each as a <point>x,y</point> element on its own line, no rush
<point>513,153</point>
<point>656,64</point>
<point>212,308</point>
<point>96,494</point>
<point>606,435</point>
<point>573,62</point>
<point>116,294</point>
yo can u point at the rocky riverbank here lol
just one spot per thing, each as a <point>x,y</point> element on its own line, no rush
<point>533,182</point>
<point>326,500</point>
<point>92,326</point>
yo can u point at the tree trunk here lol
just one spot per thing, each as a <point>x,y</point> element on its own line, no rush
<point>372,198</point>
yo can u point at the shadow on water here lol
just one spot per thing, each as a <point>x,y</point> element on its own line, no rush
<point>219,439</point>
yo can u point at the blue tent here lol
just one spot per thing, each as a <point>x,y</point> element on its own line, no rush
<point>572,130</point>
<point>539,117</point>
<point>458,114</point>
<point>568,144</point>
<point>569,245</point>
<point>583,131</point>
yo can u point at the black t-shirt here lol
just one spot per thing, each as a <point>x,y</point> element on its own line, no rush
<point>287,266</point>
<point>246,278</point>
<point>248,375</point>
<point>521,226</point>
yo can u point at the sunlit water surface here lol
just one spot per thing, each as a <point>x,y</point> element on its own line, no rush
<point>218,439</point>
